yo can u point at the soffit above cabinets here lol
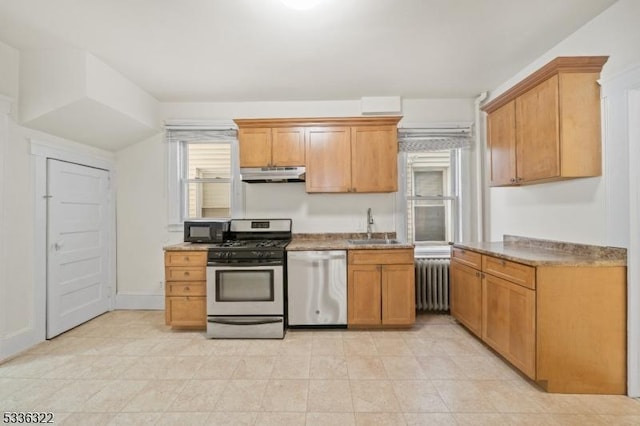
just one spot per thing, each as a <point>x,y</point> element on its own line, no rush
<point>72,94</point>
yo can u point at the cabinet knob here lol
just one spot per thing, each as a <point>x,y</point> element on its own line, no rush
<point>512,180</point>
<point>187,288</point>
<point>478,274</point>
<point>186,258</point>
<point>186,273</point>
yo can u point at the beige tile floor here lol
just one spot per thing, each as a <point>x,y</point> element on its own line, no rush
<point>128,368</point>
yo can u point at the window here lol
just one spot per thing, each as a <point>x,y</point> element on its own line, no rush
<point>206,180</point>
<point>431,197</point>
<point>203,174</point>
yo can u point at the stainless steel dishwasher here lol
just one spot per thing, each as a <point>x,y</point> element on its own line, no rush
<point>317,287</point>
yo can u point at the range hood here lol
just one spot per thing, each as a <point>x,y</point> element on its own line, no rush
<point>272,174</point>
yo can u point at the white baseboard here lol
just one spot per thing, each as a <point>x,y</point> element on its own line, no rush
<point>18,342</point>
<point>139,301</point>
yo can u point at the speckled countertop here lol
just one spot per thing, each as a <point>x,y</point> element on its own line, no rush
<point>314,242</point>
<point>341,242</point>
<point>538,252</point>
<point>189,246</point>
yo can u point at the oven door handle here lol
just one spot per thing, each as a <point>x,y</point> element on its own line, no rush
<point>245,264</point>
<point>244,322</point>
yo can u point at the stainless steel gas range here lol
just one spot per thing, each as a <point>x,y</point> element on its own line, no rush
<point>245,280</point>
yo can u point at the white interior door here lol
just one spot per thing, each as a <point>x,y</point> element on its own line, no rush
<point>77,245</point>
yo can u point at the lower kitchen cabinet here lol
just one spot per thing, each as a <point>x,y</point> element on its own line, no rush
<point>508,322</point>
<point>186,311</point>
<point>466,296</point>
<point>185,289</point>
<point>380,288</point>
<point>562,326</point>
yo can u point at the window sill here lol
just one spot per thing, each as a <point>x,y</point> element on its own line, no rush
<point>439,251</point>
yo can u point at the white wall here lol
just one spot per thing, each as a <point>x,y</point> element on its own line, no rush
<point>20,295</point>
<point>9,71</point>
<point>573,210</point>
<point>142,204</point>
<point>20,303</point>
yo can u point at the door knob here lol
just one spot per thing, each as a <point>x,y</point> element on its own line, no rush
<point>57,246</point>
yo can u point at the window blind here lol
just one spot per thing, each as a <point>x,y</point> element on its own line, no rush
<point>425,139</point>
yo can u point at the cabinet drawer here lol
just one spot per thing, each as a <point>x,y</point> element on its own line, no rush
<point>186,312</point>
<point>515,272</point>
<point>185,258</point>
<point>194,288</point>
<point>467,257</point>
<point>185,273</point>
<point>381,257</point>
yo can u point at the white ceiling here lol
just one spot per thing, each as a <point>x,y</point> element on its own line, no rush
<point>259,50</point>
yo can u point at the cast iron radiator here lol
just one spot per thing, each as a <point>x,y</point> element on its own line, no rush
<point>432,284</point>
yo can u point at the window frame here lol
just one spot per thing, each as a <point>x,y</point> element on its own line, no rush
<point>454,197</point>
<point>176,169</point>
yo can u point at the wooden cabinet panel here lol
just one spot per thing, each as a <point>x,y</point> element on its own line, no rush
<point>185,273</point>
<point>255,147</point>
<point>380,257</point>
<point>267,147</point>
<point>185,258</point>
<point>374,159</point>
<point>196,288</point>
<point>469,258</point>
<point>581,324</point>
<point>398,295</point>
<point>580,130</point>
<point>466,296</point>
<point>364,295</point>
<point>328,150</point>
<point>186,311</point>
<point>538,132</point>
<point>287,146</point>
<point>518,273</point>
<point>508,323</point>
<point>501,140</point>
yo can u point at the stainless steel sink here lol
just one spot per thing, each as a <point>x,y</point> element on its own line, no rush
<point>373,241</point>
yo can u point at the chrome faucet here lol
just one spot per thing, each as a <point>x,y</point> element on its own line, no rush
<point>369,223</point>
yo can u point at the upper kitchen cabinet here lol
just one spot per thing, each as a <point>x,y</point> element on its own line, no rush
<point>345,154</point>
<point>271,146</point>
<point>374,158</point>
<point>547,127</point>
<point>501,136</point>
<point>329,167</point>
<point>357,154</point>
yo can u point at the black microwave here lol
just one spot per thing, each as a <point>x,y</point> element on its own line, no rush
<point>198,231</point>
